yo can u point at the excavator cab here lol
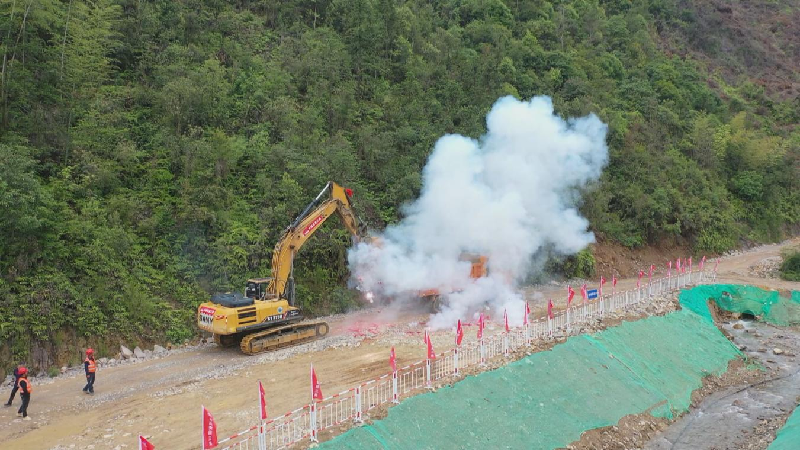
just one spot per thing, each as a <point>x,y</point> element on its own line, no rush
<point>256,288</point>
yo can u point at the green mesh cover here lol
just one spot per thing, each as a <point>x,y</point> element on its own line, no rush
<point>548,399</point>
<point>768,306</point>
<point>789,436</point>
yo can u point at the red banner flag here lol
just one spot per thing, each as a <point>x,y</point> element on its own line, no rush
<point>459,333</point>
<point>584,294</point>
<point>690,263</point>
<point>505,319</point>
<point>316,389</point>
<point>652,270</point>
<point>639,281</point>
<point>481,324</point>
<point>527,313</point>
<point>262,400</point>
<point>393,360</point>
<point>145,445</point>
<point>613,280</point>
<point>550,309</point>
<point>702,262</point>
<point>431,354</point>
<point>209,430</point>
<point>678,265</point>
<point>602,280</point>
<point>570,294</point>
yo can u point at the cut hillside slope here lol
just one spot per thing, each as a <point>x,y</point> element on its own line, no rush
<point>757,40</point>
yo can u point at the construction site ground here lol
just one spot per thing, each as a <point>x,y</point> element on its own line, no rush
<point>161,397</point>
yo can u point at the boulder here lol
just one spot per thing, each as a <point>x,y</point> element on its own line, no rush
<point>112,362</point>
<point>103,361</point>
<point>125,352</point>
<point>63,369</point>
<point>157,349</point>
<point>738,326</point>
<point>137,352</point>
<point>777,351</point>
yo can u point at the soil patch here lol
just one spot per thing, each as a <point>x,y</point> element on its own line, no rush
<point>613,258</point>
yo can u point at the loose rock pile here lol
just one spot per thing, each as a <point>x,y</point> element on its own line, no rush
<point>766,268</point>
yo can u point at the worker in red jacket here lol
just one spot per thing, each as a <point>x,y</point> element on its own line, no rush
<point>15,388</point>
<point>90,367</point>
<point>25,390</point>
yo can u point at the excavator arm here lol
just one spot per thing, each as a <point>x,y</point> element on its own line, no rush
<point>332,199</point>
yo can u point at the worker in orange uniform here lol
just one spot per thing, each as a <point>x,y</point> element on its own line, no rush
<point>90,366</point>
<point>15,388</point>
<point>25,389</point>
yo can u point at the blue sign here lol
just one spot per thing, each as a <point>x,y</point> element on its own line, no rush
<point>591,293</point>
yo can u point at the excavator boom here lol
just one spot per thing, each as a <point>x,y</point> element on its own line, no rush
<point>303,227</point>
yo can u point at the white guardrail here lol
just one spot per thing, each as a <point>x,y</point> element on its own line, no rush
<point>350,405</point>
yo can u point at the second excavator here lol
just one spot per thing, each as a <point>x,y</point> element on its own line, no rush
<point>266,316</point>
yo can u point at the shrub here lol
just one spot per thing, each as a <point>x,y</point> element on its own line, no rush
<point>580,265</point>
<point>790,268</point>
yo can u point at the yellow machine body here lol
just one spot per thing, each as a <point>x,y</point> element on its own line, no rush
<point>223,320</point>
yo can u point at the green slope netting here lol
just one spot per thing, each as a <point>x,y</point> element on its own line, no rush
<point>769,306</point>
<point>789,436</point>
<point>548,399</point>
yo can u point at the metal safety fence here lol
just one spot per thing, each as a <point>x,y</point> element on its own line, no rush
<point>349,406</point>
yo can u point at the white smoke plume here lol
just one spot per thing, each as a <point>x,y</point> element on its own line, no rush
<point>508,196</point>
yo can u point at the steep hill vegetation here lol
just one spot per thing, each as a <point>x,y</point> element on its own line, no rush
<point>151,152</point>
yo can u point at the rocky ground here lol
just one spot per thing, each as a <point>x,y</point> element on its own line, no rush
<point>767,268</point>
<point>745,415</point>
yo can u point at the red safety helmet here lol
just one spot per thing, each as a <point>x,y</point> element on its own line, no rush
<point>22,370</point>
<point>89,352</point>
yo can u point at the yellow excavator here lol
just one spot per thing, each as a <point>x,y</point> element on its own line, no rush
<point>265,317</point>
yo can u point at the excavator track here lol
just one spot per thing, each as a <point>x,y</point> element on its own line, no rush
<point>285,336</point>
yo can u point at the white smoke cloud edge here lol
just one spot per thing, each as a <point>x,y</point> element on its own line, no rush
<point>507,196</point>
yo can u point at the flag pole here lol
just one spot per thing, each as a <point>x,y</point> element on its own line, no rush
<point>313,417</point>
<point>202,427</point>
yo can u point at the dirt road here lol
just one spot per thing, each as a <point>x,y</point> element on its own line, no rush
<point>161,398</point>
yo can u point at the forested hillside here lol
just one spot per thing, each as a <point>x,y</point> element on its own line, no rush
<point>152,152</point>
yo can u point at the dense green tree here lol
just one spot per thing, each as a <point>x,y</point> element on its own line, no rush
<point>152,152</point>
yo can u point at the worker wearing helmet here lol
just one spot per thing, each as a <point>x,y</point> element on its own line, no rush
<point>15,388</point>
<point>25,390</point>
<point>90,366</point>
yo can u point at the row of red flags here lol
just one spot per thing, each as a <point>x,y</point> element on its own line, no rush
<point>210,426</point>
